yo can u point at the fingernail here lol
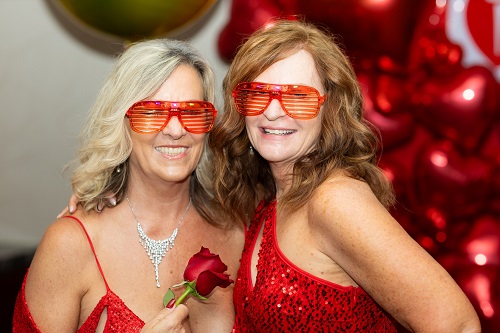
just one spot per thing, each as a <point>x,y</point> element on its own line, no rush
<point>112,201</point>
<point>71,209</point>
<point>171,304</point>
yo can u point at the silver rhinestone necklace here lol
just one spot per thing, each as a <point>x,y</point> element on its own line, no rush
<point>157,249</point>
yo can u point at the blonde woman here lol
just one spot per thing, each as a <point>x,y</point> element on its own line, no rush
<point>143,141</point>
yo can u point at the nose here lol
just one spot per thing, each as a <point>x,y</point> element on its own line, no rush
<point>174,128</point>
<point>274,110</point>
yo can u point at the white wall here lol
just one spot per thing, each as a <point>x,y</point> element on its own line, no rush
<point>50,73</point>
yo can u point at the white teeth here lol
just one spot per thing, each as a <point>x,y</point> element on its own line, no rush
<point>277,132</point>
<point>171,151</point>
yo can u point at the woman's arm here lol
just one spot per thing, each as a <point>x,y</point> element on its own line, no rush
<point>358,233</point>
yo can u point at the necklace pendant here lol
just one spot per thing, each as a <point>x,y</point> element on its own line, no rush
<point>156,249</point>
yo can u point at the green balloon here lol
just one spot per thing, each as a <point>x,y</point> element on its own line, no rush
<point>136,19</point>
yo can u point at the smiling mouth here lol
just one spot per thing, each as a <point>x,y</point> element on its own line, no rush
<point>171,151</point>
<point>277,132</point>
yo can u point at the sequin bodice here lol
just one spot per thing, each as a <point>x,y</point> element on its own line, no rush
<point>288,299</point>
<point>119,317</point>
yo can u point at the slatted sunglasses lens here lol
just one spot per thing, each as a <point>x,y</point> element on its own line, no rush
<point>152,116</point>
<point>300,102</point>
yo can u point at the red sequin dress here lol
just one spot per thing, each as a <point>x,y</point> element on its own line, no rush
<point>119,317</point>
<point>285,298</point>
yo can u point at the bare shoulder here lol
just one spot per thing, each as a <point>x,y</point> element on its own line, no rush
<point>342,197</point>
<point>57,279</point>
<point>344,212</point>
<point>61,254</point>
<point>64,237</point>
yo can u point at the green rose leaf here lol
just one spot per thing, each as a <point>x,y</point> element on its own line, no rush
<point>168,297</point>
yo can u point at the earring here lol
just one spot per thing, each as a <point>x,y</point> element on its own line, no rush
<point>251,150</point>
<point>118,169</point>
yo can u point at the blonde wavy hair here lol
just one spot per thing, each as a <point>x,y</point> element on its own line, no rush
<point>105,141</point>
<point>347,141</point>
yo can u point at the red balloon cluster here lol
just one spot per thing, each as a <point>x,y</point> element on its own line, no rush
<point>430,71</point>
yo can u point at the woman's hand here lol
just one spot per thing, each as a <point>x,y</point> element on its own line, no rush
<point>71,208</point>
<point>73,203</point>
<point>168,320</point>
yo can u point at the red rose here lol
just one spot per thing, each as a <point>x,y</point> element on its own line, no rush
<point>208,271</point>
<point>203,273</point>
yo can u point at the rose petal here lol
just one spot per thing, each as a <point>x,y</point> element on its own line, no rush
<point>208,280</point>
<point>203,261</point>
<point>205,250</point>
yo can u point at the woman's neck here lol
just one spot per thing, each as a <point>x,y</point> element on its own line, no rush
<point>282,175</point>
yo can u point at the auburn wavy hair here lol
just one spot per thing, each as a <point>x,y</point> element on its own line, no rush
<point>347,141</point>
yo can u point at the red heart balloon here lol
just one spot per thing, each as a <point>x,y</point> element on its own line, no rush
<point>448,181</point>
<point>384,97</point>
<point>432,233</point>
<point>491,150</point>
<point>475,265</point>
<point>482,244</point>
<point>491,145</point>
<point>368,29</point>
<point>390,93</point>
<point>401,161</point>
<point>482,20</point>
<point>246,17</point>
<point>431,49</point>
<point>479,284</point>
<point>435,54</point>
<point>460,108</point>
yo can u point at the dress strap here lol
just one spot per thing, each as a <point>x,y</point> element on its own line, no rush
<point>92,247</point>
